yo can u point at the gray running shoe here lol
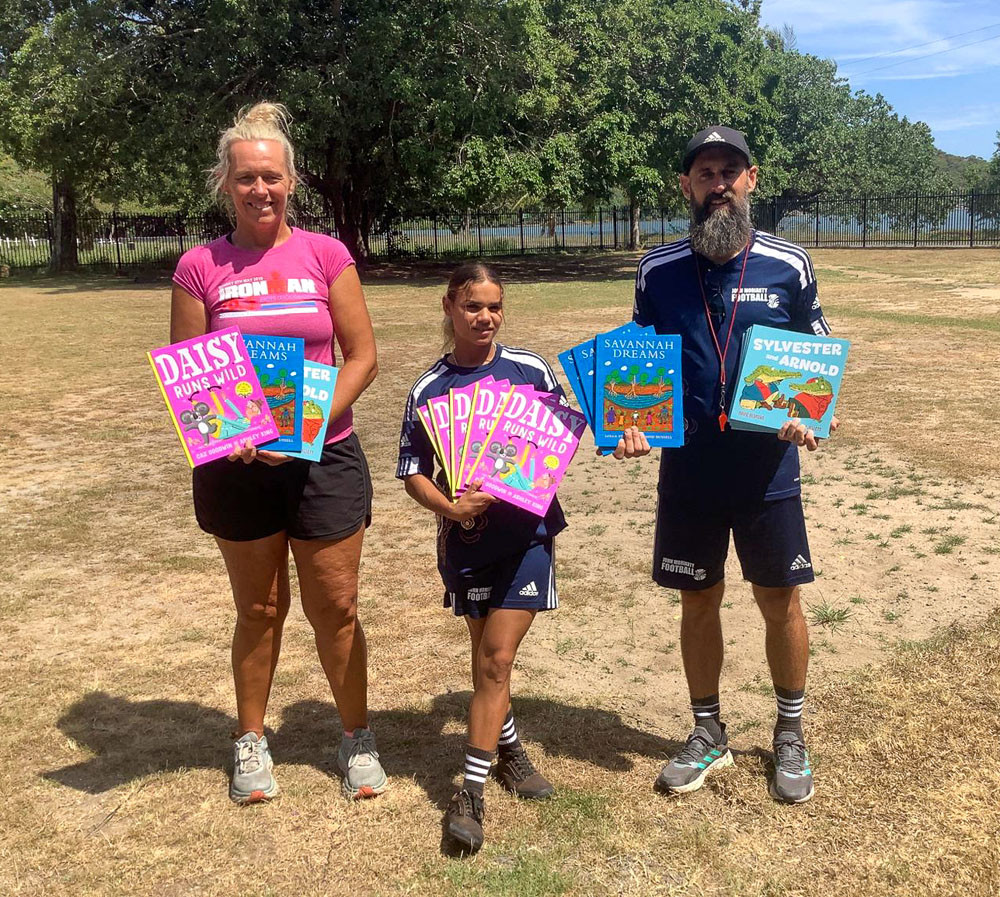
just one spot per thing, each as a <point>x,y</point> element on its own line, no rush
<point>252,780</point>
<point>793,778</point>
<point>701,755</point>
<point>358,761</point>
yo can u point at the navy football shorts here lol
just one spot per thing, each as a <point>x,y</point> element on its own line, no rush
<point>692,541</point>
<point>525,581</point>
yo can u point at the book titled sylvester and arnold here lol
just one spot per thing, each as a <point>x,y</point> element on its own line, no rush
<point>225,387</point>
<point>785,375</point>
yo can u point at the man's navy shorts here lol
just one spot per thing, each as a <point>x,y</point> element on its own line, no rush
<point>692,541</point>
<point>326,499</point>
<point>525,581</point>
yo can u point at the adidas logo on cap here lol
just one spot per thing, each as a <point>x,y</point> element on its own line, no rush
<point>800,563</point>
<point>530,590</point>
<point>714,136</point>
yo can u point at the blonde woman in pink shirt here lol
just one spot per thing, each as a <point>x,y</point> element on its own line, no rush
<point>270,278</point>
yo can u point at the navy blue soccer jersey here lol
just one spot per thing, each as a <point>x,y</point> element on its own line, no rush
<point>779,290</point>
<point>504,530</point>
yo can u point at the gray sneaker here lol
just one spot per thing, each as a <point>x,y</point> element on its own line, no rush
<point>701,755</point>
<point>252,779</point>
<point>793,778</point>
<point>358,761</point>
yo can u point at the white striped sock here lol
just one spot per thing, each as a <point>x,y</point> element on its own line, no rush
<point>476,769</point>
<point>508,735</point>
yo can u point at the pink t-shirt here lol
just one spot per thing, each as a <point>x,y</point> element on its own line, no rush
<point>282,291</point>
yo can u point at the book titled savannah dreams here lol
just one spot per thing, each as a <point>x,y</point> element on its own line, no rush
<point>213,395</point>
<point>318,382</point>
<point>637,383</point>
<point>278,361</point>
<point>783,375</point>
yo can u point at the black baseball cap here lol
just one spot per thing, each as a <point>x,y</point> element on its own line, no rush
<point>716,135</point>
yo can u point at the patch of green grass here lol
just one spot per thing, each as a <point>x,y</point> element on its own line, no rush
<point>596,529</point>
<point>828,615</point>
<point>901,531</point>
<point>856,599</point>
<point>860,509</point>
<point>526,872</point>
<point>949,543</point>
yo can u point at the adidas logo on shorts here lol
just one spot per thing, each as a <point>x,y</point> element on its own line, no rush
<point>800,563</point>
<point>530,590</point>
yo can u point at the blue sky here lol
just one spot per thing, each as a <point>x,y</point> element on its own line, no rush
<point>938,61</point>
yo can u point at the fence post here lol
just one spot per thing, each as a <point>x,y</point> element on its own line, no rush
<point>118,245</point>
<point>51,235</point>
<point>435,220</point>
<point>479,231</point>
<point>816,238</point>
<point>600,226</point>
<point>180,230</point>
<point>864,221</point>
<point>916,205</point>
<point>562,216</point>
<point>972,217</point>
<point>663,232</point>
<point>614,224</point>
<point>520,227</point>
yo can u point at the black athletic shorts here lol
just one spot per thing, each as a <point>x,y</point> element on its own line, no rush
<point>692,541</point>
<point>326,499</point>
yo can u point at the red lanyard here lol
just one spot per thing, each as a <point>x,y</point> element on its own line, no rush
<point>720,350</point>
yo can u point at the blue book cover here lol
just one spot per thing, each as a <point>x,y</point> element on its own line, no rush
<point>573,378</point>
<point>318,381</point>
<point>783,375</point>
<point>583,359</point>
<point>638,383</point>
<point>278,361</point>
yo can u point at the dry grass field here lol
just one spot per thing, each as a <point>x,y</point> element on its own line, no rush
<point>115,617</point>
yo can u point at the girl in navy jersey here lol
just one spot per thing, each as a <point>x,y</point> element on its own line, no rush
<point>496,560</point>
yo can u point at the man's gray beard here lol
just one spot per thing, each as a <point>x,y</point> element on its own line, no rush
<point>721,233</point>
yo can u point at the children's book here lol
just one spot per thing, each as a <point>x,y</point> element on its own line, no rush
<point>440,415</point>
<point>783,375</point>
<point>530,447</point>
<point>424,415</point>
<point>638,384</point>
<point>278,361</point>
<point>213,395</point>
<point>583,358</point>
<point>575,384</point>
<point>461,402</point>
<point>318,381</point>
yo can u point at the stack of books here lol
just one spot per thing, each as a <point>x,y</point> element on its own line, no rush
<point>224,388</point>
<point>515,441</point>
<point>786,375</point>
<point>629,377</point>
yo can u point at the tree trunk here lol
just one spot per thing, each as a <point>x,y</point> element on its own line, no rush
<point>63,256</point>
<point>634,236</point>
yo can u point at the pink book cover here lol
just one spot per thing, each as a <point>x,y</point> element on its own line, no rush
<point>462,401</point>
<point>490,399</point>
<point>529,452</point>
<point>440,415</point>
<point>425,419</point>
<point>213,395</point>
<point>515,401</point>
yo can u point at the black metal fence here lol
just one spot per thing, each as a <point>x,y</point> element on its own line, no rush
<point>123,242</point>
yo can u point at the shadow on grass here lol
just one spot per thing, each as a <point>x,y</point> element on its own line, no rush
<point>136,738</point>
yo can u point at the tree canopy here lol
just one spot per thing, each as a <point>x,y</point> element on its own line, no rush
<point>407,105</point>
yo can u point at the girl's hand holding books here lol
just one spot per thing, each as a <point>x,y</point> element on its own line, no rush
<point>471,504</point>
